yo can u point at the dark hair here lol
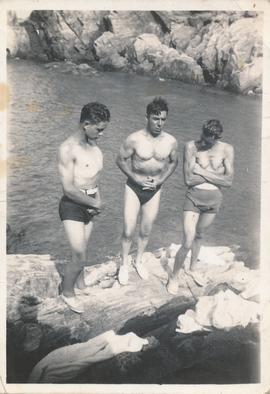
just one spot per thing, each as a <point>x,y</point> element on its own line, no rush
<point>156,106</point>
<point>95,113</point>
<point>212,126</point>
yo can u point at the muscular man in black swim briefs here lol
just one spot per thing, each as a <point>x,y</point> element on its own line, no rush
<point>208,166</point>
<point>147,157</point>
<point>80,162</point>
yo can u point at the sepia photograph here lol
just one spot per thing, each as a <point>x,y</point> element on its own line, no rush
<point>133,203</point>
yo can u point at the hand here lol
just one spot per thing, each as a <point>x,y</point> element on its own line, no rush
<point>149,184</point>
<point>93,211</point>
<point>197,170</point>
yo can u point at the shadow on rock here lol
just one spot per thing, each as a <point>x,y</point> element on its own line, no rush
<point>28,341</point>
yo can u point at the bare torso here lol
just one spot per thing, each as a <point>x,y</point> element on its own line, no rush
<point>87,162</point>
<point>151,154</point>
<point>211,160</point>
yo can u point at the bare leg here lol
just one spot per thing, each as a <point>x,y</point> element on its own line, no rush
<point>131,211</point>
<point>75,232</point>
<point>149,214</point>
<point>190,220</point>
<point>204,222</point>
<point>80,283</point>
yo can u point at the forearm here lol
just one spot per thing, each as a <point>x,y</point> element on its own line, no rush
<point>194,180</point>
<point>217,179</point>
<point>124,167</point>
<point>170,169</point>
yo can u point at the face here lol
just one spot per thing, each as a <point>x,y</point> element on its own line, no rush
<point>209,139</point>
<point>155,123</point>
<point>93,131</point>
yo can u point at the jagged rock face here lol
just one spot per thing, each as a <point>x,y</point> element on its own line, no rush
<point>167,62</point>
<point>219,48</point>
<point>132,23</point>
<point>64,35</point>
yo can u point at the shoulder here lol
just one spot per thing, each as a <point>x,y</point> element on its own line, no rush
<point>134,137</point>
<point>227,148</point>
<point>170,138</point>
<point>190,146</point>
<point>67,147</point>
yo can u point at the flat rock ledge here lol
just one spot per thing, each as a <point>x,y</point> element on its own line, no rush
<point>39,322</point>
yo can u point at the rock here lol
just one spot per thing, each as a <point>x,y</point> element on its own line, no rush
<point>212,47</point>
<point>64,34</point>
<point>111,49</point>
<point>167,62</point>
<point>84,67</point>
<point>39,322</point>
<point>132,23</point>
<point>181,35</point>
<point>18,43</point>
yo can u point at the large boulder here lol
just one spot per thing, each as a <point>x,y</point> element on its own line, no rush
<point>167,62</point>
<point>111,50</point>
<point>181,35</point>
<point>64,35</point>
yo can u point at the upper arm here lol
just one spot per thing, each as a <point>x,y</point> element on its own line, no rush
<point>229,161</point>
<point>174,152</point>
<point>188,161</point>
<point>127,149</point>
<point>65,165</point>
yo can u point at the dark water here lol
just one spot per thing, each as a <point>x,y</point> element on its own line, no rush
<point>45,107</point>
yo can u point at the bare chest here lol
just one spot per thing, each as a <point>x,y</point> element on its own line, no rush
<point>88,160</point>
<point>211,159</point>
<point>158,150</point>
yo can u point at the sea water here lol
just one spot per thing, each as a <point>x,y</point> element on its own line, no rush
<point>44,110</point>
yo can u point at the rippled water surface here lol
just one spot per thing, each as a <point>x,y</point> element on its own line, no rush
<point>45,109</point>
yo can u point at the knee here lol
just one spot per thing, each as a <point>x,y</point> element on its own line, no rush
<point>80,257</point>
<point>199,235</point>
<point>145,231</point>
<point>127,234</point>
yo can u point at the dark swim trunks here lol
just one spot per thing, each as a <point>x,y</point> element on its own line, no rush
<point>143,195</point>
<point>202,201</point>
<point>71,210</point>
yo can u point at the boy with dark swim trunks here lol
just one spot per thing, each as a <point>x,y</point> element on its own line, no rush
<point>147,157</point>
<point>208,166</point>
<point>80,162</point>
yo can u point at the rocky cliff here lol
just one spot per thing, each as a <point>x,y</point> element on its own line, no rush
<point>38,322</point>
<point>217,48</point>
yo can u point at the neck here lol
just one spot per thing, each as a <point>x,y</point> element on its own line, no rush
<point>202,145</point>
<point>87,140</point>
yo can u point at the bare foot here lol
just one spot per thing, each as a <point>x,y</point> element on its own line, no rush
<point>142,271</point>
<point>199,278</point>
<point>123,275</point>
<point>172,286</point>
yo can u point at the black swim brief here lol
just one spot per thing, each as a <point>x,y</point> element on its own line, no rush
<point>203,201</point>
<point>144,195</point>
<point>71,210</point>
